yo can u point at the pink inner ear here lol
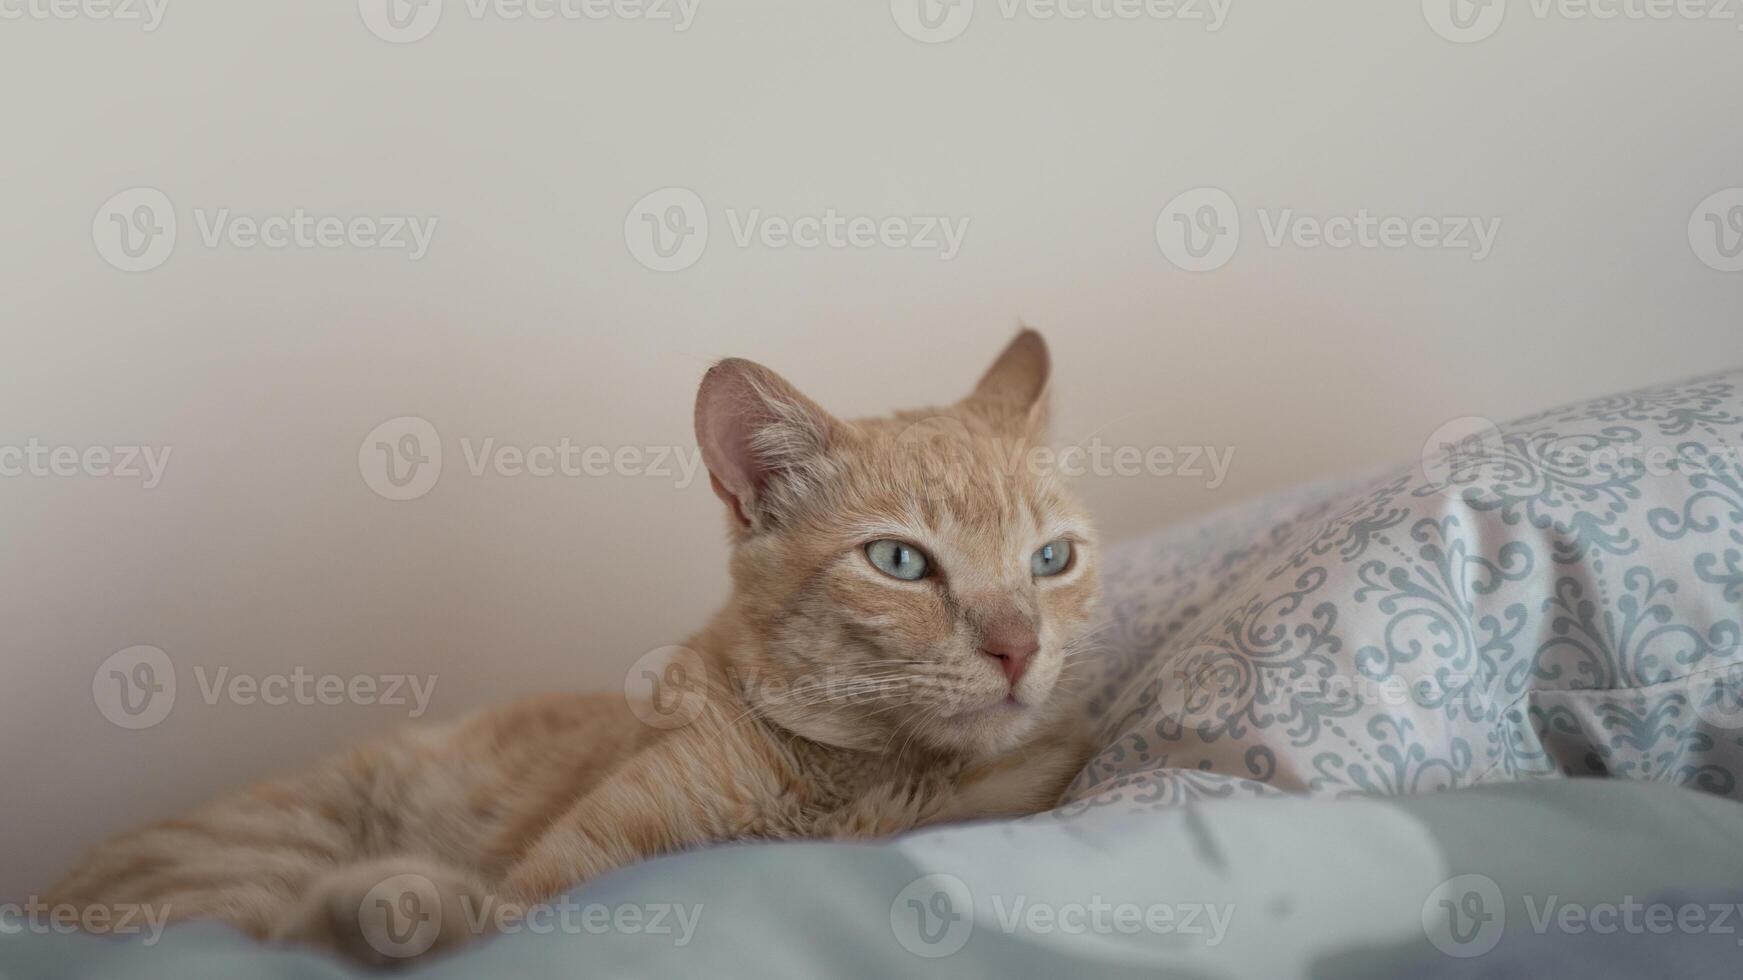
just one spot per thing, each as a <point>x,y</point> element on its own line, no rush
<point>731,501</point>
<point>728,411</point>
<point>743,407</point>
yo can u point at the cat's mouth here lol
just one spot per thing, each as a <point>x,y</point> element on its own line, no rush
<point>1010,704</point>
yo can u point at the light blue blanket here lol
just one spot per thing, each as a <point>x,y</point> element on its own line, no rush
<point>1451,884</point>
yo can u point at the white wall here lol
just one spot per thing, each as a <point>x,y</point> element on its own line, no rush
<point>530,321</point>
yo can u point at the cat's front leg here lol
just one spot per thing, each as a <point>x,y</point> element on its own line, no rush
<point>705,783</point>
<point>1019,783</point>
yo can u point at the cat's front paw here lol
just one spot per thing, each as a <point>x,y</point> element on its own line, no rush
<point>390,912</point>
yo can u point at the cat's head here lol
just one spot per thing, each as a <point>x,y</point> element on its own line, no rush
<point>920,579</point>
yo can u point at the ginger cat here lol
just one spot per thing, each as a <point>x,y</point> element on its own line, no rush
<point>936,582</point>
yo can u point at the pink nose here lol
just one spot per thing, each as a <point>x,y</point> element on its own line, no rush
<point>1011,644</point>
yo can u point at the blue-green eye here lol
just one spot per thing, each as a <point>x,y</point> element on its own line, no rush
<point>897,559</point>
<point>1051,558</point>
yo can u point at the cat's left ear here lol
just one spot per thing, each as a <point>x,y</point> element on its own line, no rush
<point>1012,395</point>
<point>762,441</point>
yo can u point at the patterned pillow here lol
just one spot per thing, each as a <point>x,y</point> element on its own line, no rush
<point>1562,596</point>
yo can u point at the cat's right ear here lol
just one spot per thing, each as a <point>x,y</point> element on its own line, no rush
<point>761,440</point>
<point>1013,392</point>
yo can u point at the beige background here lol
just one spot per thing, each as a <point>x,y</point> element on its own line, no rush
<point>529,321</point>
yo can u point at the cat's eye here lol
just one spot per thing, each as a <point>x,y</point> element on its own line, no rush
<point>1051,558</point>
<point>898,559</point>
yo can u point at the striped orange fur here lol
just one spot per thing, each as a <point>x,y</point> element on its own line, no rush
<point>829,699</point>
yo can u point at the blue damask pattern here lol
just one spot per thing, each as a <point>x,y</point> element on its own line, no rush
<point>1562,596</point>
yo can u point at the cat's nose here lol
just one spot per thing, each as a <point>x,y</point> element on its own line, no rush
<point>1011,644</point>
